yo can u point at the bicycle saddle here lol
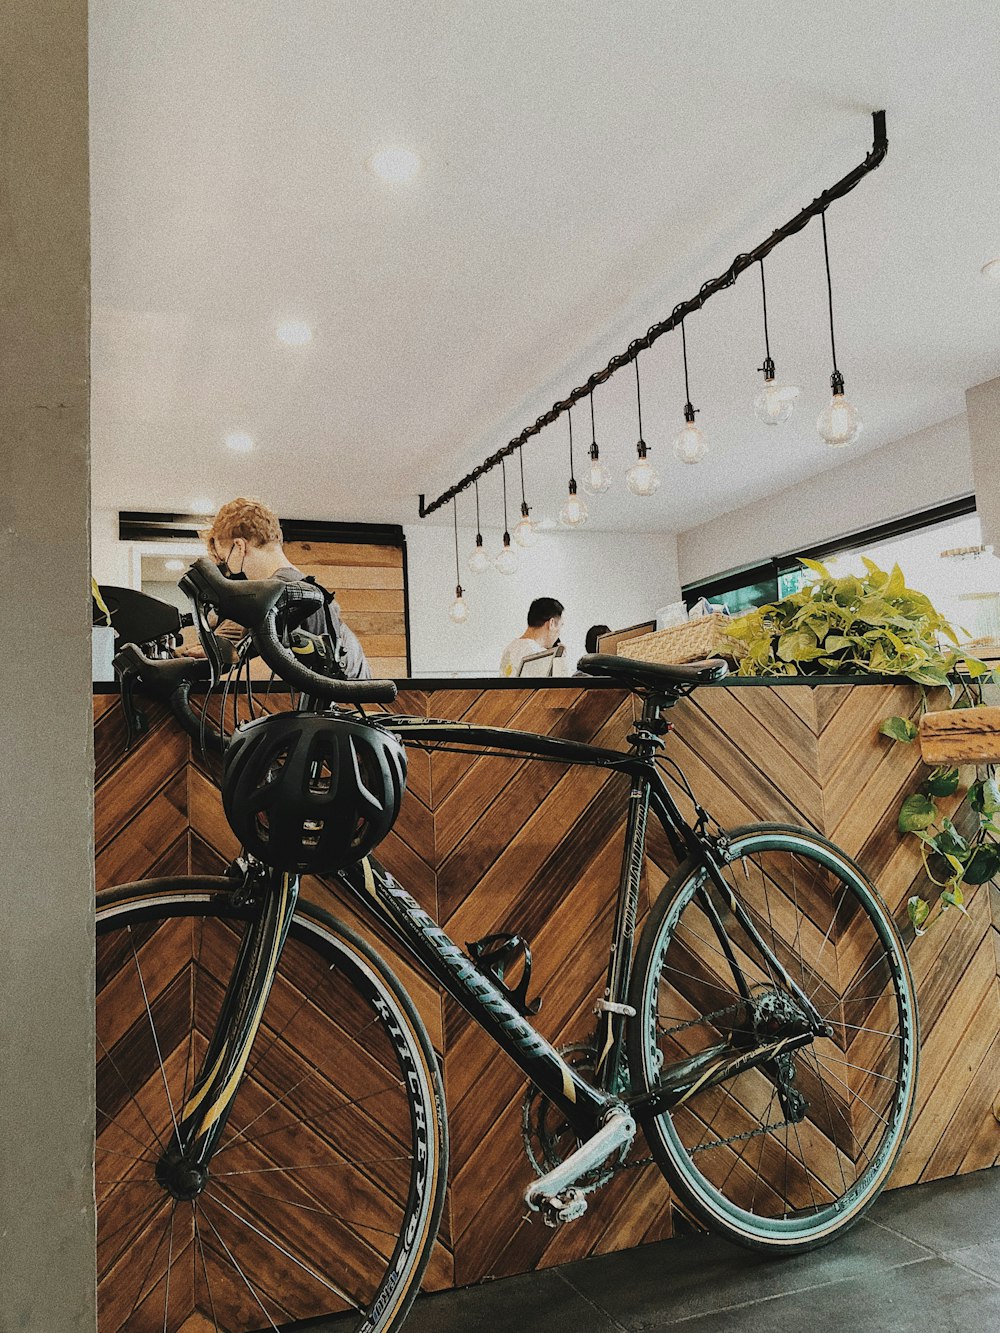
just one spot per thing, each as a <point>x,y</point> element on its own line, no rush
<point>655,676</point>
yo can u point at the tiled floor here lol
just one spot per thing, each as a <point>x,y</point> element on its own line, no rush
<point>925,1258</point>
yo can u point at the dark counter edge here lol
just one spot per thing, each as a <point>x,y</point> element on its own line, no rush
<point>431,683</point>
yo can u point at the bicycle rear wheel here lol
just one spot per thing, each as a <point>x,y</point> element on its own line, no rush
<point>781,1158</point>
<point>325,1192</point>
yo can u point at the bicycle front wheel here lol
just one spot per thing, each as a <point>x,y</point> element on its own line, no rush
<point>325,1191</point>
<point>783,1156</point>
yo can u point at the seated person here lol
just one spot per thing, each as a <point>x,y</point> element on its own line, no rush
<point>593,637</point>
<point>544,623</point>
<point>245,540</point>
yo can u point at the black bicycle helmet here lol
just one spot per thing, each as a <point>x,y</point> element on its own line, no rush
<point>312,793</point>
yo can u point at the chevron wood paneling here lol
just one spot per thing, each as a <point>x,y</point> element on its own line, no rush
<point>490,844</point>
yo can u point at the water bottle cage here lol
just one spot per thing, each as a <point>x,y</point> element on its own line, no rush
<point>495,955</point>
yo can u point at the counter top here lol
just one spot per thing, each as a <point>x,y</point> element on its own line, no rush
<point>431,683</point>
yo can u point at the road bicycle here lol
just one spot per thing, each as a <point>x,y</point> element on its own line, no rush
<point>272,1143</point>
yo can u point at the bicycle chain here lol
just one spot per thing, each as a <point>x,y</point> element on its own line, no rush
<point>734,1138</point>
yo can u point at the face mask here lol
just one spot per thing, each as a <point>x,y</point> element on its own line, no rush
<point>223,567</point>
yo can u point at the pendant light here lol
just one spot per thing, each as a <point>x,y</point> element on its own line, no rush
<point>596,479</point>
<point>524,532</point>
<point>458,611</point>
<point>775,401</point>
<point>506,562</point>
<point>641,478</point>
<point>574,511</point>
<point>479,561</point>
<point>838,423</point>
<point>690,446</point>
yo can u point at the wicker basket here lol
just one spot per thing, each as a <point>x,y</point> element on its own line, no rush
<point>691,642</point>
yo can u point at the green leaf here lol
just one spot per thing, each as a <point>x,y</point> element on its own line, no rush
<point>975,668</point>
<point>815,566</point>
<point>950,842</point>
<point>895,584</point>
<point>953,898</point>
<point>918,812</point>
<point>985,796</point>
<point>942,782</point>
<point>919,911</point>
<point>899,729</point>
<point>798,646</point>
<point>984,865</point>
<point>929,675</point>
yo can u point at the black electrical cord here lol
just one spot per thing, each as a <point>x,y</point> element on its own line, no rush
<point>829,293</point>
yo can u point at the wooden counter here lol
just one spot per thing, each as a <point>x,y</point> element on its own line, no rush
<point>490,844</point>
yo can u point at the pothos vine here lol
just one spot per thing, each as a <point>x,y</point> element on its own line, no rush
<point>951,858</point>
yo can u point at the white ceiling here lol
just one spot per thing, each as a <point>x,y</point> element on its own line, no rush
<point>586,166</point>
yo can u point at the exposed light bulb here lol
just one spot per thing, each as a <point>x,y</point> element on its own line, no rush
<point>524,533</point>
<point>574,510</point>
<point>775,401</point>
<point>506,562</point>
<point>596,479</point>
<point>479,561</point>
<point>838,423</point>
<point>642,478</point>
<point>239,441</point>
<point>458,611</point>
<point>690,446</point>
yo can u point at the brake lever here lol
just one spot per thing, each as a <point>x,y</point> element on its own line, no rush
<point>136,721</point>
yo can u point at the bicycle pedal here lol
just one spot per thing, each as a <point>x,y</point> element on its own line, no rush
<point>556,1191</point>
<point>559,1208</point>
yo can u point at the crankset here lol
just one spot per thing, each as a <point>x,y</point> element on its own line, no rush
<point>549,1138</point>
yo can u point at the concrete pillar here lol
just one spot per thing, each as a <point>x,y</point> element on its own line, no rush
<point>982,404</point>
<point>47,1282</point>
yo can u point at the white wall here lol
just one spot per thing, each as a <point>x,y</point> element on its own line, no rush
<point>614,579</point>
<point>917,472</point>
<point>109,557</point>
<point>983,407</point>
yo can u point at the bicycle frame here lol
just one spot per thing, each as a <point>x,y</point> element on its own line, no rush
<point>585,1104</point>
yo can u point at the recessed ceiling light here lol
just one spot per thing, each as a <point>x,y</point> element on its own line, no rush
<point>991,271</point>
<point>294,332</point>
<point>174,565</point>
<point>395,164</point>
<point>239,441</point>
<point>201,507</point>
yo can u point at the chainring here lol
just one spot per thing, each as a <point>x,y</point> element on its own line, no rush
<point>548,1137</point>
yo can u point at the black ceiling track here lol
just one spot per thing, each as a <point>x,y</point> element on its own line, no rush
<point>740,264</point>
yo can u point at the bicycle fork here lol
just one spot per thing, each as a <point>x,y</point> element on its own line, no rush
<point>199,1122</point>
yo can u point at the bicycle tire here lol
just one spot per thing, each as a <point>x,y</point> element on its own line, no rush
<point>733,1153</point>
<point>325,1192</point>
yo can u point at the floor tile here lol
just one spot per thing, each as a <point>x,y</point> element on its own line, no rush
<point>700,1274</point>
<point>930,1296</point>
<point>944,1214</point>
<point>982,1259</point>
<point>511,1305</point>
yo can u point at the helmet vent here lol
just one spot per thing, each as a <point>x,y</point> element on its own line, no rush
<point>311,831</point>
<point>276,765</point>
<point>321,778</point>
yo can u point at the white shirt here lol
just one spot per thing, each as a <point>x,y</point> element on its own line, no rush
<point>515,653</point>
